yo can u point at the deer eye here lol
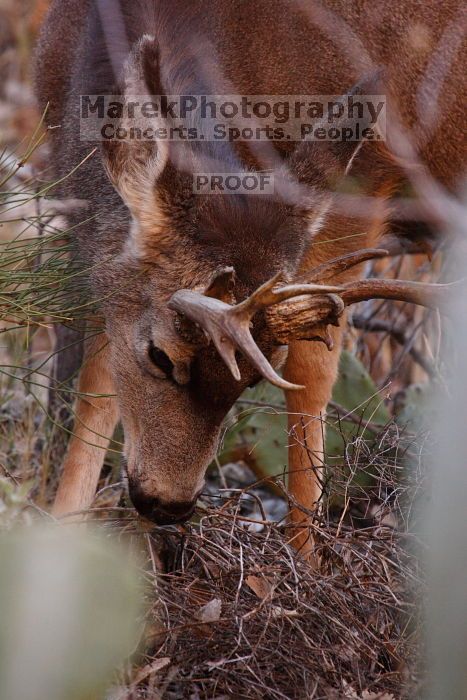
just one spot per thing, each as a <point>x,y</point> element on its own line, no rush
<point>159,358</point>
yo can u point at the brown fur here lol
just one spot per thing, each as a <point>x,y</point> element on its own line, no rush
<point>179,240</point>
<point>96,418</point>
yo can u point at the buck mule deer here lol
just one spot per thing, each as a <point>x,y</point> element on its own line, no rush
<point>200,294</point>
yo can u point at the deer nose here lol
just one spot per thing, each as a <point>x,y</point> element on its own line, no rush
<point>160,512</point>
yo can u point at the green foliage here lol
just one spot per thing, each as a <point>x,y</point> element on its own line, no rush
<point>39,282</point>
<point>259,431</point>
<point>417,407</point>
<point>356,392</point>
<point>259,428</point>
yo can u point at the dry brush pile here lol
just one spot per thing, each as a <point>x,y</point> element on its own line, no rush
<point>234,612</point>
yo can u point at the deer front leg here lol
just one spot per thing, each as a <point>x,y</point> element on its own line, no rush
<point>313,365</point>
<point>95,421</point>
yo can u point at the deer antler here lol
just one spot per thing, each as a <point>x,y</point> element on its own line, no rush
<point>305,319</point>
<point>336,266</point>
<point>229,326</point>
<point>434,296</point>
<point>300,311</point>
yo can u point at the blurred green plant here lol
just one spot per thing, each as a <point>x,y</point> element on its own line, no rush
<point>417,407</point>
<point>259,431</point>
<point>356,393</point>
<point>70,602</point>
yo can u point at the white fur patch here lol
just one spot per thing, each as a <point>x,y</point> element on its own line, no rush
<point>142,165</point>
<point>135,90</point>
<point>319,219</point>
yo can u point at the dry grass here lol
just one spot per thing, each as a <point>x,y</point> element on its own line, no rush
<point>235,612</point>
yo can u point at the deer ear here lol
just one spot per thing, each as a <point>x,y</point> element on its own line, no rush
<point>134,164</point>
<point>321,163</point>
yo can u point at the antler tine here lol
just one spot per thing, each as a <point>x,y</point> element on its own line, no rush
<point>239,336</point>
<point>435,296</point>
<point>229,326</point>
<point>336,266</point>
<point>266,295</point>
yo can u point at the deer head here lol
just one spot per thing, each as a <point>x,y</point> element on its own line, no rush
<point>197,298</point>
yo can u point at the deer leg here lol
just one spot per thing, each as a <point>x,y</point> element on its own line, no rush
<point>68,357</point>
<point>313,365</point>
<point>95,421</point>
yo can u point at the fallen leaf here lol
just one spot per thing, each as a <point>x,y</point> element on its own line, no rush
<point>277,611</point>
<point>156,665</point>
<point>210,612</point>
<point>260,585</point>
